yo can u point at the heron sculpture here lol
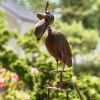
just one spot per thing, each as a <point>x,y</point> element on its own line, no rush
<point>55,41</point>
<point>58,47</point>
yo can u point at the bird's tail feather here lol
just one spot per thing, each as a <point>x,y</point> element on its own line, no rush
<point>68,61</point>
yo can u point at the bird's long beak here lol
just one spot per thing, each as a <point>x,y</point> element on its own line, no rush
<point>40,28</point>
<point>45,27</point>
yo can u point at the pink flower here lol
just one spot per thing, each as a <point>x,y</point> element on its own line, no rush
<point>34,70</point>
<point>2,83</point>
<point>74,78</point>
<point>15,77</point>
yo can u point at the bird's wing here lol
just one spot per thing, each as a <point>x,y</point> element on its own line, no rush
<point>64,45</point>
<point>64,50</point>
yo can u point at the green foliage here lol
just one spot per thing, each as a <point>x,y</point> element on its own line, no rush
<point>27,78</point>
<point>28,44</point>
<point>4,49</point>
<point>89,86</point>
<point>5,53</point>
<point>84,10</point>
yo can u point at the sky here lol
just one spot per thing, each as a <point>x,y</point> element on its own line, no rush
<point>57,1</point>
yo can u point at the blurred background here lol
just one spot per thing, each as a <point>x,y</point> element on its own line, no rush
<point>24,62</point>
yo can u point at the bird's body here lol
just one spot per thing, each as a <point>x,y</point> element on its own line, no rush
<point>58,47</point>
<point>55,42</point>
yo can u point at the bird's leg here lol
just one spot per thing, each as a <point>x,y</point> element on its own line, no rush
<point>57,64</point>
<point>63,66</point>
<point>61,76</point>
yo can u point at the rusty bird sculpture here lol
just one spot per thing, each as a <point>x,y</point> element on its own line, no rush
<point>58,47</point>
<point>55,41</point>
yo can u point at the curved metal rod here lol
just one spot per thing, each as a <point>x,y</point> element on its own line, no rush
<point>70,83</point>
<point>78,92</point>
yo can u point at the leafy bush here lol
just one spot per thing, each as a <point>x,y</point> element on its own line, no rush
<point>27,78</point>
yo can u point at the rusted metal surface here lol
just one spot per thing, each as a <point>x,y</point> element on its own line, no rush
<point>62,86</point>
<point>55,41</point>
<point>59,48</point>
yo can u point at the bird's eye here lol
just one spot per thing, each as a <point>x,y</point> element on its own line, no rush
<point>47,18</point>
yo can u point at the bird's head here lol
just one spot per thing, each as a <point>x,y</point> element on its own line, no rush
<point>45,19</point>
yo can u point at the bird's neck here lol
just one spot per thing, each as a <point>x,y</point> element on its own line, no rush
<point>49,31</point>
